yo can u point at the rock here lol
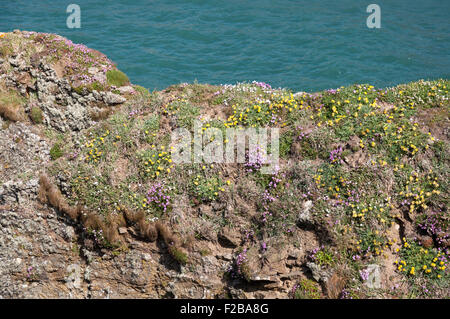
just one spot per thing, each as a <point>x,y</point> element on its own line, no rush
<point>126,90</point>
<point>319,274</point>
<point>93,70</point>
<point>229,237</point>
<point>69,233</point>
<point>237,293</point>
<point>264,279</point>
<point>18,191</point>
<point>426,241</point>
<point>226,257</point>
<point>113,99</point>
<point>73,279</point>
<point>217,206</point>
<point>356,159</point>
<point>374,276</point>
<point>123,230</point>
<point>305,217</point>
<point>299,94</point>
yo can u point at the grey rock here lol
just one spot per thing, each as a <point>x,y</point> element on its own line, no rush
<point>374,279</point>
<point>69,233</point>
<point>319,274</point>
<point>113,99</point>
<point>73,279</point>
<point>126,90</point>
<point>305,216</point>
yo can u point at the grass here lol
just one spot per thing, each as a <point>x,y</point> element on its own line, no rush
<point>142,90</point>
<point>178,255</point>
<point>116,78</point>
<point>183,111</point>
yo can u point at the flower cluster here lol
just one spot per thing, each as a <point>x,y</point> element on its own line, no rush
<point>82,59</point>
<point>262,85</point>
<point>157,196</point>
<point>435,224</point>
<point>364,273</point>
<point>255,159</point>
<point>239,268</point>
<point>207,189</point>
<point>261,112</point>
<point>417,260</point>
<point>156,161</point>
<point>95,147</point>
<point>335,155</point>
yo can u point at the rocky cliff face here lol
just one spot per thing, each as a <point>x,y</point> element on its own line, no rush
<point>214,231</point>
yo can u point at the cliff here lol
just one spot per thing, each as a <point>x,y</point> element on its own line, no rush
<point>92,205</point>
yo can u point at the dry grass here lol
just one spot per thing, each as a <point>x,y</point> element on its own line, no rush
<point>11,105</point>
<point>102,114</point>
<point>153,231</point>
<point>50,194</point>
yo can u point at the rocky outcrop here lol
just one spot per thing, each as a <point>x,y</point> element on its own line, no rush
<point>65,103</point>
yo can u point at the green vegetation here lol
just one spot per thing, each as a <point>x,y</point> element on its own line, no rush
<point>142,91</point>
<point>56,152</point>
<point>178,255</point>
<point>116,78</point>
<point>206,189</point>
<point>307,289</point>
<point>36,115</point>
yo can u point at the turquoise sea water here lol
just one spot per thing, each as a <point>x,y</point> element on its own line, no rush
<point>303,45</point>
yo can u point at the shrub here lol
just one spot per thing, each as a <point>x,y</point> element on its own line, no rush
<point>36,115</point>
<point>56,152</point>
<point>184,112</point>
<point>322,256</point>
<point>116,78</point>
<point>286,141</point>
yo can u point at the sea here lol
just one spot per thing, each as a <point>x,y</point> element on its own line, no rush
<point>303,45</point>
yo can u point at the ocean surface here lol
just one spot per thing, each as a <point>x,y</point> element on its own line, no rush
<point>299,44</point>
